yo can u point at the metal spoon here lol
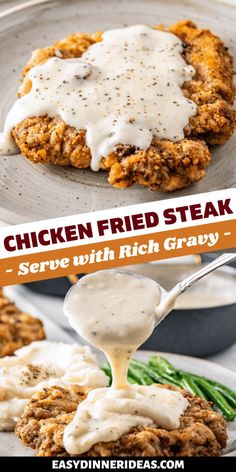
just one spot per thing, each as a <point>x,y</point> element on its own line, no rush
<point>168,298</point>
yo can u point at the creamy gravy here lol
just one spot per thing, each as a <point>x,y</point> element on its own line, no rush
<point>116,312</point>
<point>123,90</point>
<point>106,414</point>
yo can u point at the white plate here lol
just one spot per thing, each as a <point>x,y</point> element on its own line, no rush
<point>31,192</point>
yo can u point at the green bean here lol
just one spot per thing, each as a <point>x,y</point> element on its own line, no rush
<point>154,375</point>
<point>158,376</point>
<point>162,364</point>
<point>221,387</point>
<point>169,379</point>
<point>139,375</point>
<point>190,385</point>
<point>164,372</point>
<point>229,394</point>
<point>217,398</point>
<point>228,390</point>
<point>131,380</point>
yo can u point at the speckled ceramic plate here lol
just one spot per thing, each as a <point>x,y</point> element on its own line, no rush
<point>31,192</point>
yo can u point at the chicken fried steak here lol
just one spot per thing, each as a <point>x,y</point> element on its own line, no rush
<point>202,431</point>
<point>17,328</point>
<point>165,165</point>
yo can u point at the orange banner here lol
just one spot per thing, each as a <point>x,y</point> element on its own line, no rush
<point>119,252</point>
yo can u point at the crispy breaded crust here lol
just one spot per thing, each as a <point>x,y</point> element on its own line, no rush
<point>202,431</point>
<point>165,166</point>
<point>212,86</point>
<point>17,329</point>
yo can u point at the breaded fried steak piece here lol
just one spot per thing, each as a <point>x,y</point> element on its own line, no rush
<point>165,165</point>
<point>202,431</point>
<point>17,329</point>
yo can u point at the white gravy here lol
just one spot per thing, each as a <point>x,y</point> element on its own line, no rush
<point>122,90</point>
<point>116,312</point>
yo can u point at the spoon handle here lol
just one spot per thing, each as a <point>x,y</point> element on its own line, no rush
<point>221,260</point>
<point>169,299</point>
